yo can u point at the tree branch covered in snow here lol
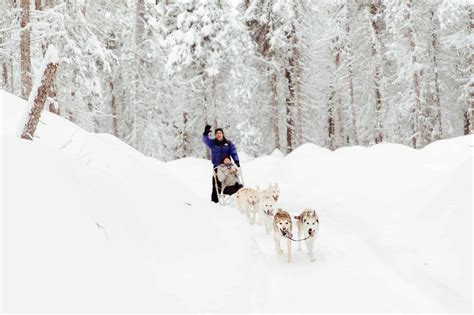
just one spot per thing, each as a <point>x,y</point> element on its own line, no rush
<point>272,73</point>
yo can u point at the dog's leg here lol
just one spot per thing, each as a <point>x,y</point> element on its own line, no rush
<point>300,228</point>
<point>277,245</point>
<point>240,203</point>
<point>310,246</point>
<point>247,211</point>
<point>288,244</point>
<point>237,202</point>
<point>254,214</point>
<point>261,218</point>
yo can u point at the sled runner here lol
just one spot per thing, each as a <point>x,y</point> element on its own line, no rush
<point>224,192</point>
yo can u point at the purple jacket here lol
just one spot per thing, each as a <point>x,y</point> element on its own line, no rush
<point>220,149</point>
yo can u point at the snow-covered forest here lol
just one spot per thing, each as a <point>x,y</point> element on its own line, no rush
<point>272,73</point>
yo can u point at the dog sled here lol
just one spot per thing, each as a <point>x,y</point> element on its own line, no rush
<point>225,192</point>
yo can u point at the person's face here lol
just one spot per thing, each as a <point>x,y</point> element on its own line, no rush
<point>226,161</point>
<point>219,135</point>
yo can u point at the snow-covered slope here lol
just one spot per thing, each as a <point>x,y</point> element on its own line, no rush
<point>90,224</point>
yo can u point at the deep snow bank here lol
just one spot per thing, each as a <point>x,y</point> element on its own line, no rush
<point>90,224</point>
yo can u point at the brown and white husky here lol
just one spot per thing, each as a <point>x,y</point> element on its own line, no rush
<point>282,229</point>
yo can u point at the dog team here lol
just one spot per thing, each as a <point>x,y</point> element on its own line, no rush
<point>261,203</point>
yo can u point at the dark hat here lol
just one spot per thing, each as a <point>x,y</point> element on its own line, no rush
<point>219,129</point>
<point>225,157</point>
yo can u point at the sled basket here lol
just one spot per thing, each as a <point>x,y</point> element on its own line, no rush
<point>224,199</point>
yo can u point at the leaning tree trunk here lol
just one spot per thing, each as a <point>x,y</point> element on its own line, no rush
<point>40,99</point>
<point>25,62</point>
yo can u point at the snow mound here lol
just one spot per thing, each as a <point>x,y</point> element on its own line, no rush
<point>91,225</point>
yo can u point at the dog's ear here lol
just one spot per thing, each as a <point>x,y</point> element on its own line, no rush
<point>297,217</point>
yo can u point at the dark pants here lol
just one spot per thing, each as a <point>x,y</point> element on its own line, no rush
<point>229,190</point>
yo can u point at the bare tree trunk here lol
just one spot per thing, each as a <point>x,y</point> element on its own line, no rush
<point>25,63</point>
<point>376,23</point>
<point>113,107</point>
<point>5,76</point>
<point>38,5</point>
<point>140,24</point>
<point>334,101</point>
<point>291,77</point>
<point>334,117</point>
<point>40,99</point>
<point>352,111</point>
<point>84,8</point>
<point>469,113</point>
<point>275,116</point>
<point>185,139</point>
<point>206,111</point>
<point>419,130</point>
<point>289,108</point>
<point>436,97</point>
<point>296,84</point>
<point>332,120</point>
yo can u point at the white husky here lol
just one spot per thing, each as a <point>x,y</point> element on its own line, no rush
<point>308,226</point>
<point>282,229</point>
<point>266,208</point>
<point>273,191</point>
<point>247,200</point>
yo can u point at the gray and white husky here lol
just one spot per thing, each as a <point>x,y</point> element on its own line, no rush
<point>307,224</point>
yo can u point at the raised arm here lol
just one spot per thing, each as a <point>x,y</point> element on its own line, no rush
<point>206,140</point>
<point>205,136</point>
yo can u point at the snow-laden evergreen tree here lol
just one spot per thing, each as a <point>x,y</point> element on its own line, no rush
<point>272,73</point>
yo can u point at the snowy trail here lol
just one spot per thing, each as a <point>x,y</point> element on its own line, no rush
<point>341,266</point>
<point>105,229</point>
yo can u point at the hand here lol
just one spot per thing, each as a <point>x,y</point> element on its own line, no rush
<point>237,163</point>
<point>207,129</point>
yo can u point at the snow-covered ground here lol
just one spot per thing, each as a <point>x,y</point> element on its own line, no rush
<point>90,224</point>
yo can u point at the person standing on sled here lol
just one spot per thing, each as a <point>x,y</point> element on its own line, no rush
<point>220,148</point>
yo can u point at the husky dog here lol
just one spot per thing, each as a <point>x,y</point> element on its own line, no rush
<point>247,200</point>
<point>274,191</point>
<point>308,226</point>
<point>282,229</point>
<point>266,206</point>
